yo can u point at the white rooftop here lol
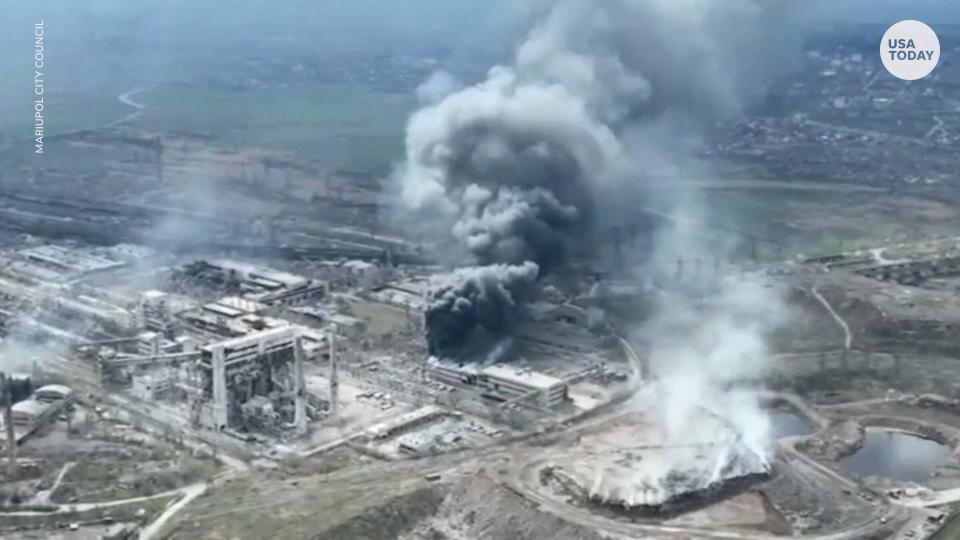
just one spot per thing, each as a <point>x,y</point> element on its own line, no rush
<point>522,376</point>
<point>29,407</point>
<point>55,389</point>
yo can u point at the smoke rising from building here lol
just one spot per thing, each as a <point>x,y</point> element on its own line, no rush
<point>476,306</point>
<point>524,165</point>
<point>519,163</point>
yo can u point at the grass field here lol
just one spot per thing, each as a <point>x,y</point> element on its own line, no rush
<point>337,127</point>
<point>812,222</point>
<point>271,504</point>
<point>805,215</point>
<point>73,98</point>
<point>62,113</point>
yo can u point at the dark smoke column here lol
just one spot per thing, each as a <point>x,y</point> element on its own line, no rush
<point>537,158</point>
<point>510,169</point>
<point>511,166</point>
<point>472,308</point>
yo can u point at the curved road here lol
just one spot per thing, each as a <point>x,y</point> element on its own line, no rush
<point>525,482</point>
<point>848,337</point>
<point>127,99</point>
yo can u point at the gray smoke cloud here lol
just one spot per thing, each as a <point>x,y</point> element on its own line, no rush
<point>476,306</point>
<point>527,163</point>
<point>520,164</point>
<point>510,165</point>
<point>439,85</point>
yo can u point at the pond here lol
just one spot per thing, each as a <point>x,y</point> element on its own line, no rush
<point>896,455</point>
<point>788,423</point>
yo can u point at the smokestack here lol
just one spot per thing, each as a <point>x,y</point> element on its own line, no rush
<point>334,382</point>
<point>7,389</point>
<point>300,412</point>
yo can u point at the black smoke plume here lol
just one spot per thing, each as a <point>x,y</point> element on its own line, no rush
<point>521,165</point>
<point>526,165</point>
<point>472,308</point>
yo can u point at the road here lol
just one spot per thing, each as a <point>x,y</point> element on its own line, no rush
<point>43,497</point>
<point>525,482</point>
<point>848,337</point>
<point>868,133</point>
<point>189,494</point>
<point>84,507</point>
<point>127,99</point>
<point>939,498</point>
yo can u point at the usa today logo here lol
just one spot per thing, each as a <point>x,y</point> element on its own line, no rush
<point>910,50</point>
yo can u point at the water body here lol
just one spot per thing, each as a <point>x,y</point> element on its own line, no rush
<point>896,455</point>
<point>787,423</point>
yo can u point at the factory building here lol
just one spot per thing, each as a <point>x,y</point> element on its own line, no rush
<point>52,393</point>
<point>68,262</point>
<point>550,312</point>
<point>238,373</point>
<point>296,295</point>
<point>502,382</point>
<point>408,295</point>
<point>40,409</point>
<point>264,285</point>
<point>155,313</point>
<point>28,412</point>
<point>406,422</point>
<point>363,274</point>
<point>230,317</point>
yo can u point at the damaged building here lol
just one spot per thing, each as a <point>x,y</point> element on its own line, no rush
<point>256,380</point>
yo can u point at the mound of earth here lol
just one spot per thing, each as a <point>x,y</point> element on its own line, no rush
<point>478,508</point>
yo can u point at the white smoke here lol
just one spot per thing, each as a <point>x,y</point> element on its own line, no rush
<point>439,85</point>
<point>704,358</point>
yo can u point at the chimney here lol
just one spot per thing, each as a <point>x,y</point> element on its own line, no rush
<point>334,383</point>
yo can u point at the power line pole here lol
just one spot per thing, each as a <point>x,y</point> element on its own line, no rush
<point>334,377</point>
<point>6,387</point>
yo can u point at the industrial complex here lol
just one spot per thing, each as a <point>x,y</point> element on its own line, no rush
<point>593,296</point>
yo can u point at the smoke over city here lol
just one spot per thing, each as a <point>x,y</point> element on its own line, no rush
<point>476,306</point>
<point>523,165</point>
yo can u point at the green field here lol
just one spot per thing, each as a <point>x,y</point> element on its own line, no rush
<point>75,97</point>
<point>61,113</point>
<point>336,127</point>
<point>813,222</point>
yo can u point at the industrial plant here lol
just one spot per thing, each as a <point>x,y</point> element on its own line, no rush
<point>628,269</point>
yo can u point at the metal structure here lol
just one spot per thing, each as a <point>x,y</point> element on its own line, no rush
<point>334,376</point>
<point>7,391</point>
<point>236,371</point>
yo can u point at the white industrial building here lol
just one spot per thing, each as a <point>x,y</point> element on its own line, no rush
<point>238,370</point>
<point>502,382</point>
